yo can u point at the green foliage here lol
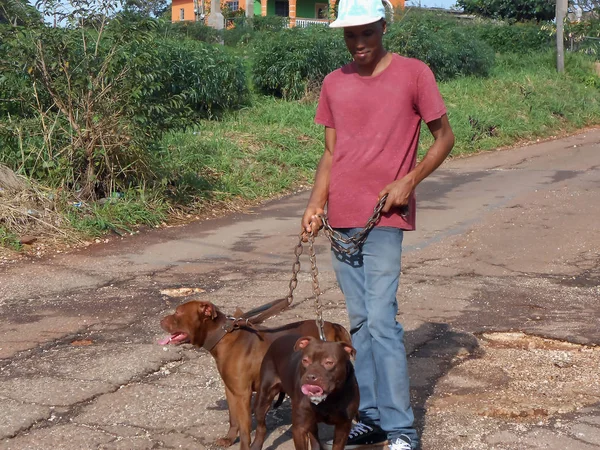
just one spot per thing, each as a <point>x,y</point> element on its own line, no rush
<point>518,38</point>
<point>188,30</point>
<point>118,213</point>
<point>9,239</point>
<point>289,62</point>
<point>584,36</point>
<point>448,48</point>
<point>243,29</point>
<point>84,107</point>
<point>18,12</point>
<point>518,10</point>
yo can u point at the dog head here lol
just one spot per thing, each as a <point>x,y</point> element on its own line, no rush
<point>324,368</point>
<point>190,323</point>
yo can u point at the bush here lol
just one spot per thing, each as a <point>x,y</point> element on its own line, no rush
<point>86,106</point>
<point>190,30</point>
<point>515,38</point>
<point>244,30</point>
<point>289,62</point>
<point>449,49</point>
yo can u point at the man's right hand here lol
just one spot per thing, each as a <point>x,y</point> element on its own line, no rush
<point>311,223</point>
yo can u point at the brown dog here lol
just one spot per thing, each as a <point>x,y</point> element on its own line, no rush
<point>238,354</point>
<point>319,378</point>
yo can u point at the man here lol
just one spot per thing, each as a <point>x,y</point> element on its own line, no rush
<point>372,110</point>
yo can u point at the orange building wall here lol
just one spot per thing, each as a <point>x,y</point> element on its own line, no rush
<point>188,10</point>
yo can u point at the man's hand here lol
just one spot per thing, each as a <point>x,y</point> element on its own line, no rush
<point>311,223</point>
<point>398,193</point>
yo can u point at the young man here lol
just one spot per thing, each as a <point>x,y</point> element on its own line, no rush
<point>372,110</point>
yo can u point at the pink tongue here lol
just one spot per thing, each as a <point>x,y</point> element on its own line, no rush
<point>165,340</point>
<point>311,389</point>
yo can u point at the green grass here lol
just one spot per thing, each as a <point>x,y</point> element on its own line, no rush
<point>274,145</point>
<point>120,214</point>
<point>524,99</point>
<point>254,153</point>
<point>9,239</point>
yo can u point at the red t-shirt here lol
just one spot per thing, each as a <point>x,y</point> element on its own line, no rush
<point>377,121</point>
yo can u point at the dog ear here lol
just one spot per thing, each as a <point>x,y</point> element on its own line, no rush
<point>349,349</point>
<point>207,309</point>
<point>302,343</point>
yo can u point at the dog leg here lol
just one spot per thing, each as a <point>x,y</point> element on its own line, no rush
<point>340,435</point>
<point>313,436</point>
<point>234,427</point>
<point>262,404</point>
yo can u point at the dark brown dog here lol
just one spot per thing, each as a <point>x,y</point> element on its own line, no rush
<point>319,378</point>
<point>238,354</point>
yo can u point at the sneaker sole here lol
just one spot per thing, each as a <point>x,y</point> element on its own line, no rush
<point>379,445</point>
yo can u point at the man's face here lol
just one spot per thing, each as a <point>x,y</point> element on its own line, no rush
<point>364,42</point>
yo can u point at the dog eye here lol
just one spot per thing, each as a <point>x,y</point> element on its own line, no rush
<point>329,363</point>
<point>306,361</point>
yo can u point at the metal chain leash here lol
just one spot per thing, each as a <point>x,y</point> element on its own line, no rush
<point>315,280</point>
<point>354,243</point>
<point>314,272</point>
<point>295,269</point>
<point>357,240</point>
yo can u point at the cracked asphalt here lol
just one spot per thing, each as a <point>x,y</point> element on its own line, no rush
<point>500,298</point>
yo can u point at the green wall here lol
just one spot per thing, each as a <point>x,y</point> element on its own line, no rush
<point>304,8</point>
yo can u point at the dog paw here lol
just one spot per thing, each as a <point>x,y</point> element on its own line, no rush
<point>224,442</point>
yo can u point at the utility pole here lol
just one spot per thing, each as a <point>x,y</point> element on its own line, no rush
<point>561,12</point>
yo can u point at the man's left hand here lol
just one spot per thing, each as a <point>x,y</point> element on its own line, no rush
<point>398,192</point>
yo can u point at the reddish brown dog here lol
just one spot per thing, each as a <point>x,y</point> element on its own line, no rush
<point>238,354</point>
<point>319,378</point>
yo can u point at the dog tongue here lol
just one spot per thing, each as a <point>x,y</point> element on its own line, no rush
<point>311,390</point>
<point>165,340</point>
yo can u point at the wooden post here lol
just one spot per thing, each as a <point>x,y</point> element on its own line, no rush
<point>249,8</point>
<point>292,14</point>
<point>561,12</point>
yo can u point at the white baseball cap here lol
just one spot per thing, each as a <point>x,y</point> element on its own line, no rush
<point>352,13</point>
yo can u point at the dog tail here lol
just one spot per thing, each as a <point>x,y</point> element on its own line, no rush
<point>279,400</point>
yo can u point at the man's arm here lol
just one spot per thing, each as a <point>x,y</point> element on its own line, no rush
<point>399,191</point>
<point>320,190</point>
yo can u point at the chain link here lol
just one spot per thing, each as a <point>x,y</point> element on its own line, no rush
<point>315,280</point>
<point>355,241</point>
<point>314,271</point>
<point>295,269</point>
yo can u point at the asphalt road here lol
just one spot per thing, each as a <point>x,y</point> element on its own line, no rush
<point>507,241</point>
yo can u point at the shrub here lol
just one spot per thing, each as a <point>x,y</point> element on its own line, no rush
<point>516,38</point>
<point>88,105</point>
<point>189,30</point>
<point>448,48</point>
<point>288,62</point>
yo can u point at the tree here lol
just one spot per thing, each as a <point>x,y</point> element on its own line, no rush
<point>148,8</point>
<point>18,12</point>
<point>517,10</point>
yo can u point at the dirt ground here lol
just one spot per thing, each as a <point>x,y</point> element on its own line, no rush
<point>500,300</point>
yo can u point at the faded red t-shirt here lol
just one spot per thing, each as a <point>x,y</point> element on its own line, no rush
<point>377,122</point>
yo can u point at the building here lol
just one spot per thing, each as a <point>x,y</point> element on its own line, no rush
<point>300,12</point>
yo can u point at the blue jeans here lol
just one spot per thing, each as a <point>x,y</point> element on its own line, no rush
<point>369,281</point>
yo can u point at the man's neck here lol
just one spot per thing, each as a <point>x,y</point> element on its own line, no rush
<point>378,65</point>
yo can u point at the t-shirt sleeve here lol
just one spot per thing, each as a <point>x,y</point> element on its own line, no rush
<point>429,102</point>
<point>324,115</point>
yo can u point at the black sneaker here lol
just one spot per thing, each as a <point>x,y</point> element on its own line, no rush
<point>362,435</point>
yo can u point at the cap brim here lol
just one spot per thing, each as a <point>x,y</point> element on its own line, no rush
<point>354,22</point>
